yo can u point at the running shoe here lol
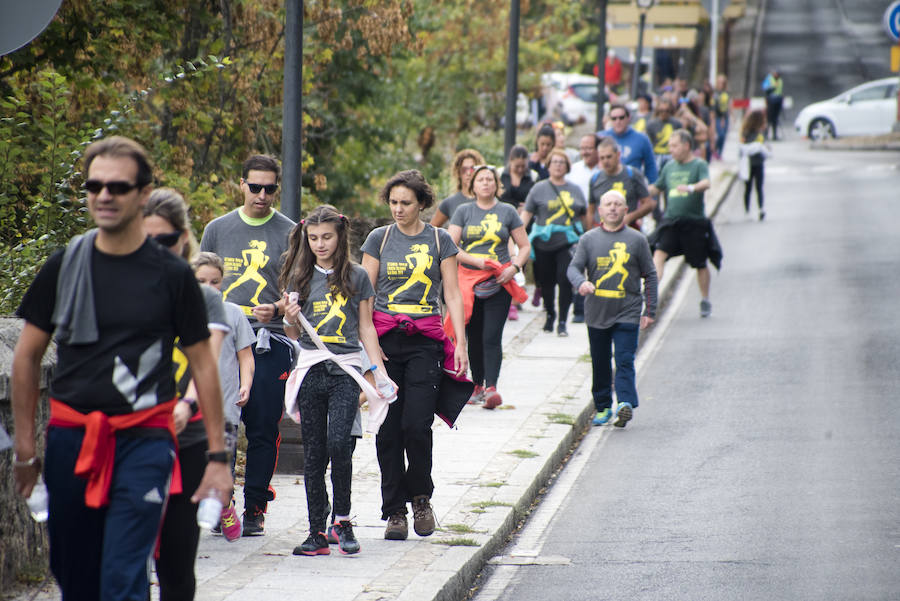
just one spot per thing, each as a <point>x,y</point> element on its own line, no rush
<point>513,313</point>
<point>623,414</point>
<point>477,397</point>
<point>602,417</point>
<point>397,527</point>
<point>705,308</point>
<point>230,523</point>
<point>578,318</point>
<point>536,297</point>
<point>492,398</point>
<point>347,543</point>
<point>561,330</point>
<point>315,544</point>
<point>331,535</point>
<point>423,515</point>
<point>548,324</point>
<point>254,522</point>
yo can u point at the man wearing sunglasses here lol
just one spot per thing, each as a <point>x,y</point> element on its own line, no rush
<point>115,302</point>
<point>635,147</point>
<point>251,240</point>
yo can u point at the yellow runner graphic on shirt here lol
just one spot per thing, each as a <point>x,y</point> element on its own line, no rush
<point>331,306</point>
<point>489,228</point>
<point>615,265</point>
<point>563,206</point>
<point>661,145</point>
<point>418,260</point>
<point>253,259</point>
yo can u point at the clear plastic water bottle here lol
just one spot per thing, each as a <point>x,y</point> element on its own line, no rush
<point>384,385</point>
<point>38,502</point>
<point>209,510</point>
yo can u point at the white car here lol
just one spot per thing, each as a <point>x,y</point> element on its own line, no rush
<point>867,109</point>
<point>570,97</point>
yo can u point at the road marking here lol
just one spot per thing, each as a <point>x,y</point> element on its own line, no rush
<point>528,543</point>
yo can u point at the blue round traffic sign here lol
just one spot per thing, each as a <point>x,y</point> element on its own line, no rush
<point>892,20</point>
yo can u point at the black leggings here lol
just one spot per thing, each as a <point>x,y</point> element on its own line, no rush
<point>180,533</point>
<point>485,334</point>
<point>756,176</point>
<point>328,405</point>
<point>550,271</point>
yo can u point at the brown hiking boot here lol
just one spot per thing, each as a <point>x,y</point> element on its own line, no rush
<point>423,516</point>
<point>397,527</point>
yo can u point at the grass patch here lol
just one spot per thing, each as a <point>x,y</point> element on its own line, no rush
<point>523,453</point>
<point>459,529</point>
<point>33,572</point>
<point>561,418</point>
<point>585,358</point>
<point>492,484</point>
<point>478,511</point>
<point>485,504</point>
<point>457,542</point>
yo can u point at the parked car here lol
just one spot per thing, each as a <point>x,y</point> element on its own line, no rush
<point>867,109</point>
<point>570,97</point>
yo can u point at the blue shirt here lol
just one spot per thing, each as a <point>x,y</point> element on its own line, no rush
<point>636,151</point>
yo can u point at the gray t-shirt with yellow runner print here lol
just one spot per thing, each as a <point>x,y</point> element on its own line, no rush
<point>409,272</point>
<point>485,233</point>
<point>251,250</point>
<point>555,205</point>
<point>335,318</point>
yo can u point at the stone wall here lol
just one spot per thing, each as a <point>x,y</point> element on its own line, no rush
<point>23,542</point>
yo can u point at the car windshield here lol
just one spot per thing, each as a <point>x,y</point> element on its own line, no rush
<point>585,91</point>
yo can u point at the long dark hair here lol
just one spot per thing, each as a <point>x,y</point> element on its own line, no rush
<point>299,262</point>
<point>754,122</point>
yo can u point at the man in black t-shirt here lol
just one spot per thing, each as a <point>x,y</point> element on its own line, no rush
<point>115,301</point>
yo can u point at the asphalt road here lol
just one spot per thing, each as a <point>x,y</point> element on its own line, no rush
<point>822,47</point>
<point>764,460</point>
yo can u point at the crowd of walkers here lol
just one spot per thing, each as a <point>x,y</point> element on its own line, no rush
<point>165,345</point>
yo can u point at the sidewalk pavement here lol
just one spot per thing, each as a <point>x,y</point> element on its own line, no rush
<point>487,472</point>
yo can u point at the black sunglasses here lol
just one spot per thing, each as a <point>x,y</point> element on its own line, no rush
<point>618,117</point>
<point>94,186</point>
<point>168,240</point>
<point>269,188</point>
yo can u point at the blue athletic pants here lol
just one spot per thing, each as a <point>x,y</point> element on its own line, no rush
<point>103,554</point>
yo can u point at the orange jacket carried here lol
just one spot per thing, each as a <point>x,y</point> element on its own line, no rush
<point>98,449</point>
<point>467,280</point>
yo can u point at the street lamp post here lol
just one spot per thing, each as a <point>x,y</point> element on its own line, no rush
<point>512,79</point>
<point>643,7</point>
<point>601,64</point>
<point>292,111</point>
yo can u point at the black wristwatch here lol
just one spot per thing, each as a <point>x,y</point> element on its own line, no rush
<point>219,456</point>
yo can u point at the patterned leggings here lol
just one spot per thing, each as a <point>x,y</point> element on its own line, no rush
<point>328,405</point>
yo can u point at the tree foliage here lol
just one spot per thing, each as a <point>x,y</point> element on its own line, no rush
<point>387,85</point>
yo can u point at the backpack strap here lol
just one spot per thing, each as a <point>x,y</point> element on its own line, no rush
<point>387,232</point>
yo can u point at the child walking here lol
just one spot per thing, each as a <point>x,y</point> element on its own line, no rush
<point>236,367</point>
<point>328,309</point>
<point>752,157</point>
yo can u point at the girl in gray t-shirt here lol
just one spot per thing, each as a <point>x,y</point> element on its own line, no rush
<point>335,296</point>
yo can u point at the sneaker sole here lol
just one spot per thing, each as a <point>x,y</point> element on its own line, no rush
<point>623,417</point>
<point>323,551</point>
<point>395,536</point>
<point>349,551</point>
